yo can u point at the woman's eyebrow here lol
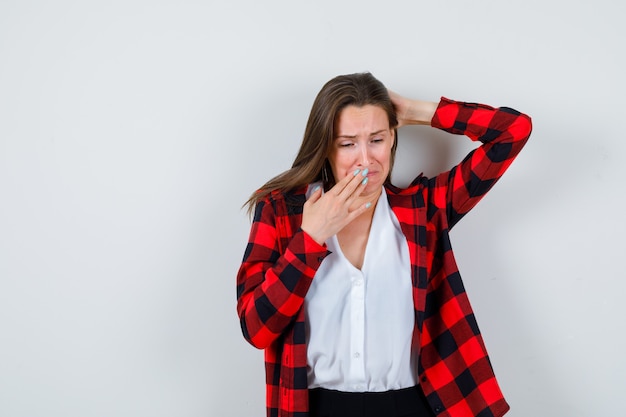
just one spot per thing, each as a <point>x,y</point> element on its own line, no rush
<point>354,136</point>
<point>378,132</point>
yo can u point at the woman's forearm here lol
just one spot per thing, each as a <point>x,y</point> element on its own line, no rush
<point>412,112</point>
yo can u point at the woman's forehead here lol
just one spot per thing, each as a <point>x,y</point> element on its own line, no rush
<point>354,121</point>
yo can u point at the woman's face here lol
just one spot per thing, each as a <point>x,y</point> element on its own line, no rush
<point>362,140</point>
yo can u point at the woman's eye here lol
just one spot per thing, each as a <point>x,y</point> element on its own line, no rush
<point>377,140</point>
<point>345,145</point>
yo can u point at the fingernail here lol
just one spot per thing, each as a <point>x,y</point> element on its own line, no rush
<point>364,181</point>
<point>365,171</point>
<point>317,187</point>
<point>356,172</point>
<point>368,205</point>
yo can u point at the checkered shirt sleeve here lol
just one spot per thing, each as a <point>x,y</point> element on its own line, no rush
<point>503,133</point>
<point>455,370</point>
<point>273,281</point>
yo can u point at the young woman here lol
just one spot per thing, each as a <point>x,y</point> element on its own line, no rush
<point>350,284</point>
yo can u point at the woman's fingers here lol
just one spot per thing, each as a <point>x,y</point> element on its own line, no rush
<point>343,183</point>
<point>326,214</point>
<point>357,212</point>
<point>347,187</point>
<point>317,193</point>
<point>357,185</point>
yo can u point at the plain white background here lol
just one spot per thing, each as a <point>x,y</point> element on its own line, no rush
<point>131,132</point>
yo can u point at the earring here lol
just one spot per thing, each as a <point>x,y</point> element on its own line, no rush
<point>324,174</point>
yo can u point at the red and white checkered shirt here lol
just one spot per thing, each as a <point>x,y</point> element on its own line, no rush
<point>280,262</point>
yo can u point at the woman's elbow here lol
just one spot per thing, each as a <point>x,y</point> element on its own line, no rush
<point>524,126</point>
<point>260,339</point>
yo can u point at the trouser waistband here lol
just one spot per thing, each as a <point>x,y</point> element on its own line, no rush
<point>397,403</point>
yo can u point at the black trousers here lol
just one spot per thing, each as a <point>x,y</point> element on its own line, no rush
<point>407,402</point>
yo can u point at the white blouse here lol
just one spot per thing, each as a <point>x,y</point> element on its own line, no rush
<point>360,322</point>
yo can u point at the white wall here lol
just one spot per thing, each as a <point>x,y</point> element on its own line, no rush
<point>132,131</point>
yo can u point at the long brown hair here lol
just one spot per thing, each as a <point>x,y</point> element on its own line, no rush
<point>311,163</point>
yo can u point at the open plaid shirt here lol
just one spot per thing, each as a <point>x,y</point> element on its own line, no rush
<point>280,262</point>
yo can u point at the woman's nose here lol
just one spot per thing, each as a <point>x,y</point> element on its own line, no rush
<point>364,156</point>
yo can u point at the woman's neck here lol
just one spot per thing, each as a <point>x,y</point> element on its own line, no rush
<point>353,238</point>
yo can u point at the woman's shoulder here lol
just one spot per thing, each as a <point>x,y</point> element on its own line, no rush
<point>285,202</point>
<point>287,195</point>
<point>416,186</point>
